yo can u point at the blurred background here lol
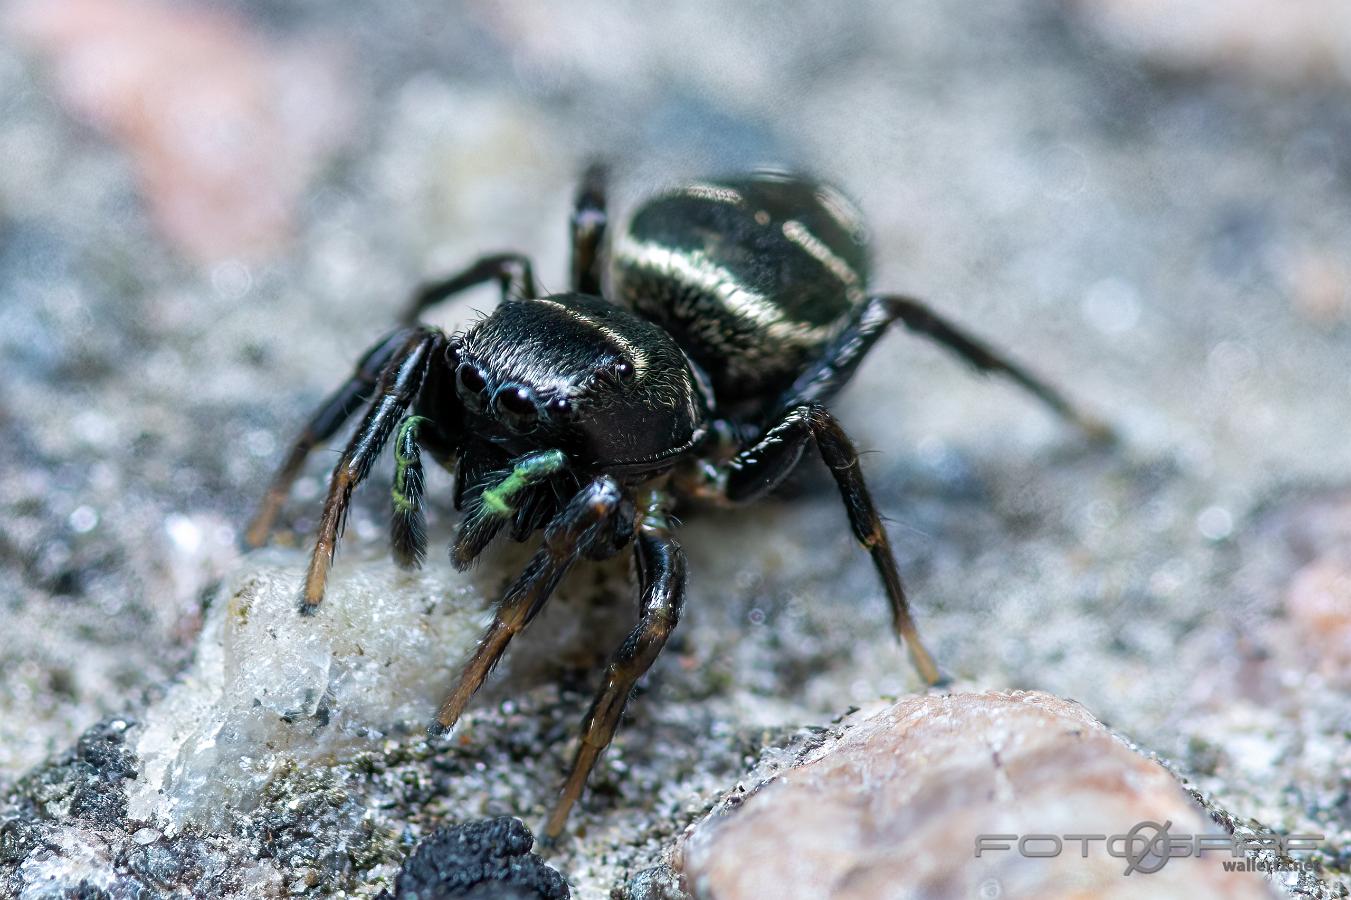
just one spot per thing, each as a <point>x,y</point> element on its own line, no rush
<point>209,209</point>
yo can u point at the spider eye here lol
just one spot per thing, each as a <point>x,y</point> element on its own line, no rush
<point>624,371</point>
<point>516,407</point>
<point>471,386</point>
<point>559,408</point>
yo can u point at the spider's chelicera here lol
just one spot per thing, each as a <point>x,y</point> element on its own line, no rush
<point>732,311</point>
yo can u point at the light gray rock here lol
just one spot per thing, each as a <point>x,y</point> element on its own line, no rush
<point>892,806</point>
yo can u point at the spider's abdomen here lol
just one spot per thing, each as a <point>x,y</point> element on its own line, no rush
<point>752,275</point>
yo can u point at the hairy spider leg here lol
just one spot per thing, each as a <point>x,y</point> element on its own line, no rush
<point>761,467</point>
<point>336,409</point>
<point>587,227</point>
<point>661,577</point>
<point>497,504</point>
<point>398,388</point>
<point>843,356</point>
<point>512,271</point>
<point>592,519</point>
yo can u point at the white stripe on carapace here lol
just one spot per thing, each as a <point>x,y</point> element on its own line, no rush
<point>799,234</point>
<point>627,348</point>
<point>714,192</point>
<point>694,269</point>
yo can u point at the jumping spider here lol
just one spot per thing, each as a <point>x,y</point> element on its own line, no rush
<point>735,309</point>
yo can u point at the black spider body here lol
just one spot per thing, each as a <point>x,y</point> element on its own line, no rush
<point>610,389</point>
<point>744,308</point>
<point>571,373</point>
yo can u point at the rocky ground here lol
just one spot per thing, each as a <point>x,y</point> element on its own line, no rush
<point>207,213</point>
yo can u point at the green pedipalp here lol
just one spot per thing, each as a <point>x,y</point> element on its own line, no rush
<point>499,501</point>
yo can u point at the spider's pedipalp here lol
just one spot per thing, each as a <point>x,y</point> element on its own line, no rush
<point>407,524</point>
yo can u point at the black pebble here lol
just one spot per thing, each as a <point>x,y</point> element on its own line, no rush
<point>488,859</point>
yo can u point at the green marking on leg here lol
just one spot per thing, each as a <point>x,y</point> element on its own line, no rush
<point>494,504</point>
<point>499,500</point>
<point>406,456</point>
<point>406,443</point>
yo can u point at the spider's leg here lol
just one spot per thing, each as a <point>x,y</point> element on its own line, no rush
<point>592,518</point>
<point>841,359</point>
<point>407,525</point>
<point>511,270</point>
<point>498,503</point>
<point>661,573</point>
<point>589,219</point>
<point>760,467</point>
<point>337,408</point>
<point>398,387</point>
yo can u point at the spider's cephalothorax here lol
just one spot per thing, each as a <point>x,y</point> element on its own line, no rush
<point>743,307</point>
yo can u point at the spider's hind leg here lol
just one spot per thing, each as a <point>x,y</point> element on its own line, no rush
<point>512,271</point>
<point>589,218</point>
<point>842,359</point>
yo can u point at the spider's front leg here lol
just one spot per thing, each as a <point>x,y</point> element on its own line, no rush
<point>336,409</point>
<point>758,469</point>
<point>661,575</point>
<point>398,387</point>
<point>599,517</point>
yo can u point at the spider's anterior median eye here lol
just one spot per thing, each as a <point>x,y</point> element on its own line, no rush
<point>471,385</point>
<point>516,407</point>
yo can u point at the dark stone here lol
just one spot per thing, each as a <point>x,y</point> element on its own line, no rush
<point>87,891</point>
<point>159,863</point>
<point>104,748</point>
<point>489,859</point>
<point>89,778</point>
<point>17,837</point>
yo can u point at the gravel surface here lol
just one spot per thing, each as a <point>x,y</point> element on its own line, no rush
<point>1165,239</point>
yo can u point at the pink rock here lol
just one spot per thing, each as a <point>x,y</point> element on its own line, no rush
<point>224,130</point>
<point>1310,571</point>
<point>893,808</point>
<point>1319,603</point>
